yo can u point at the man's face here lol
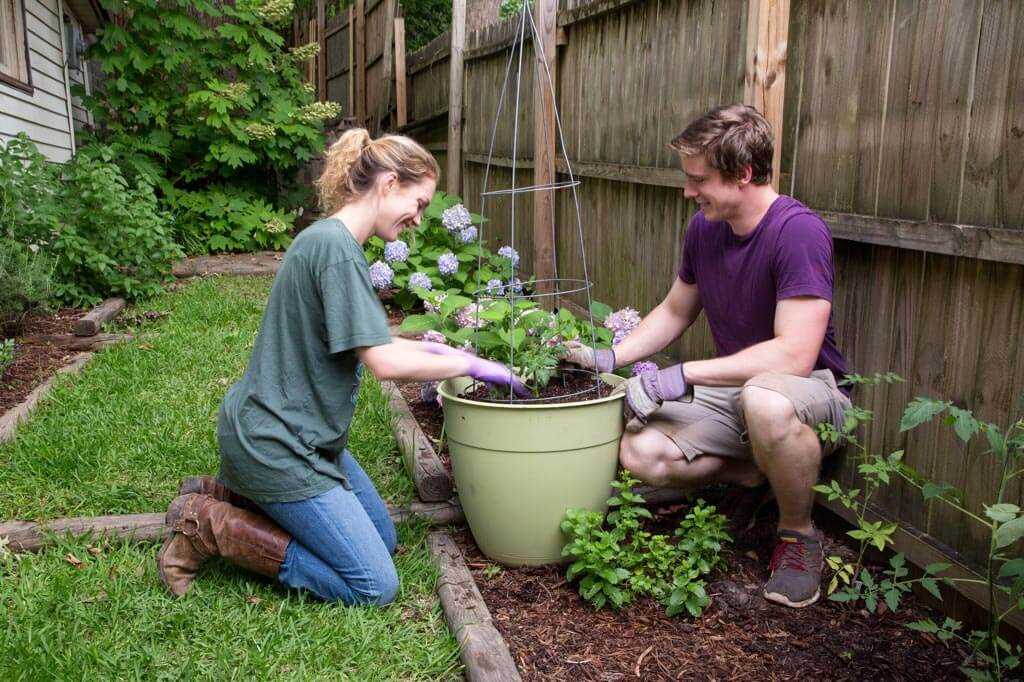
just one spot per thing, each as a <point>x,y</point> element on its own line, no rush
<point>718,198</point>
<point>402,206</point>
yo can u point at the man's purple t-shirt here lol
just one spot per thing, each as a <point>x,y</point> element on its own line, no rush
<point>740,279</point>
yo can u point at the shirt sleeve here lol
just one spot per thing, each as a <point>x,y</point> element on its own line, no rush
<point>353,315</point>
<point>686,261</point>
<point>803,259</point>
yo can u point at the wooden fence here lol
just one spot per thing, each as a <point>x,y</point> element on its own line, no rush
<point>902,123</point>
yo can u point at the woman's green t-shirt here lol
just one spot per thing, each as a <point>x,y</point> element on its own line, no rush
<point>283,425</point>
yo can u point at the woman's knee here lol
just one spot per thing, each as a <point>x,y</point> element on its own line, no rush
<point>382,589</point>
<point>389,534</point>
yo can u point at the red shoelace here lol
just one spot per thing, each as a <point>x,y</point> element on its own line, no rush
<point>788,555</point>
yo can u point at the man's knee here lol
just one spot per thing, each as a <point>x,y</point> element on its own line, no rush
<point>769,415</point>
<point>641,452</point>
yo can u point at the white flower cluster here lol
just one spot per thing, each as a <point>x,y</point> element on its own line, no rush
<point>456,218</point>
<point>275,11</point>
<point>305,52</point>
<point>308,88</point>
<point>318,111</point>
<point>275,225</point>
<point>261,131</point>
<point>235,91</point>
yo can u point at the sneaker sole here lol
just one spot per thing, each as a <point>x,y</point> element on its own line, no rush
<point>785,601</point>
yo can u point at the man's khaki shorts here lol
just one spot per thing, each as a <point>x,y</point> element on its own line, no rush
<point>713,423</point>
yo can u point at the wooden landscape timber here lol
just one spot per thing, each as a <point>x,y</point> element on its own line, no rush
<point>32,536</point>
<point>259,264</point>
<point>432,481</point>
<point>73,342</point>
<point>92,322</point>
<point>481,647</point>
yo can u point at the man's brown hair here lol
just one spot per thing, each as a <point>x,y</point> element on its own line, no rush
<point>731,138</point>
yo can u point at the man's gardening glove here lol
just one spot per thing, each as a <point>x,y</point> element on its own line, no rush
<point>646,393</point>
<point>600,359</point>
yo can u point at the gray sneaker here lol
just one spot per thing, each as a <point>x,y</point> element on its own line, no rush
<point>796,569</point>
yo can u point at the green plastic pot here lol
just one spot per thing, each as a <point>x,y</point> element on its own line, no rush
<point>519,467</point>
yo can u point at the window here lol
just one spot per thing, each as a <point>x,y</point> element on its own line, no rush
<point>13,45</point>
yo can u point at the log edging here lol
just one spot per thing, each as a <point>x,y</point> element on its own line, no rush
<point>92,322</point>
<point>31,536</point>
<point>432,481</point>
<point>482,649</point>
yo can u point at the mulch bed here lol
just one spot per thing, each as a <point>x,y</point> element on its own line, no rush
<point>572,386</point>
<point>554,635</point>
<point>34,364</point>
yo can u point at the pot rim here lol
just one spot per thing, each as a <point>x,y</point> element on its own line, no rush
<point>442,389</point>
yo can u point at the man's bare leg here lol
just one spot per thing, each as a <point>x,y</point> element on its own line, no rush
<point>787,451</point>
<point>655,459</point>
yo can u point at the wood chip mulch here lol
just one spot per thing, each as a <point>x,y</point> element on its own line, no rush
<point>34,364</point>
<point>554,635</point>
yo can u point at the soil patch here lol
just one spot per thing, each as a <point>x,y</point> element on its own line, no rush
<point>430,417</point>
<point>568,387</point>
<point>34,364</point>
<point>554,635</point>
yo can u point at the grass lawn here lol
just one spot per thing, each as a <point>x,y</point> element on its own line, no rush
<point>118,439</point>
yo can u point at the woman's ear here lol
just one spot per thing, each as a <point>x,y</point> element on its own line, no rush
<point>388,182</point>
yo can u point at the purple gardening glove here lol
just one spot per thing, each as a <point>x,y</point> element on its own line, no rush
<point>646,393</point>
<point>496,374</point>
<point>600,359</point>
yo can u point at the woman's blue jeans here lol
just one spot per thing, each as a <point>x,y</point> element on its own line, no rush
<point>342,542</point>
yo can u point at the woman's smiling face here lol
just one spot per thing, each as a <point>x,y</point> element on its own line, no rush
<point>401,205</point>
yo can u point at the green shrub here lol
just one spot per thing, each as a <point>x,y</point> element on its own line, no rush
<point>222,218</point>
<point>105,235</point>
<point>6,355</point>
<point>425,20</point>
<point>25,283</point>
<point>202,96</point>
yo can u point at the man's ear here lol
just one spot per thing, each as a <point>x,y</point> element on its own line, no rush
<point>746,176</point>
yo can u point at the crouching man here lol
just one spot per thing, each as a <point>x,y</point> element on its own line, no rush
<point>760,267</point>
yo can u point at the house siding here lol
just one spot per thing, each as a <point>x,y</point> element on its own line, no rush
<point>43,115</point>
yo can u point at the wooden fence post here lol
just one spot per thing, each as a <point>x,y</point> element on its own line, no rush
<point>544,146</point>
<point>351,62</point>
<point>765,72</point>
<point>454,183</point>
<point>360,62</point>
<point>311,62</point>
<point>321,56</point>
<point>401,114</point>
<point>389,67</point>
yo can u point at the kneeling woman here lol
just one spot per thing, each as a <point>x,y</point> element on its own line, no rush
<point>291,502</point>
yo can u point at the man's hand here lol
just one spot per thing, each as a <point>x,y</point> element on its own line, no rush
<point>647,392</point>
<point>600,359</point>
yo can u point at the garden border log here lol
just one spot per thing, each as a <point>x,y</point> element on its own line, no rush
<point>433,484</point>
<point>259,263</point>
<point>73,342</point>
<point>481,647</point>
<point>91,323</point>
<point>13,417</point>
<point>31,536</point>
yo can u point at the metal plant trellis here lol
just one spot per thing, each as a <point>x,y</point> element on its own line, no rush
<point>553,287</point>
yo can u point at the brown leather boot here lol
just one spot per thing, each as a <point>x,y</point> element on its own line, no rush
<point>200,527</point>
<point>208,485</point>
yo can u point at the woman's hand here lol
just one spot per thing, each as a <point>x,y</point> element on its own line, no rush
<point>496,374</point>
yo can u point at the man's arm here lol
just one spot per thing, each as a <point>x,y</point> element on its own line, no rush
<point>661,326</point>
<point>800,325</point>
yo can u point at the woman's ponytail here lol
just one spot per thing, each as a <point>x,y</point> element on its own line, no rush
<point>352,164</point>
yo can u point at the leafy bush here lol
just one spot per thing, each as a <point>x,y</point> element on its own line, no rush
<point>222,218</point>
<point>425,20</point>
<point>6,355</point>
<point>615,560</point>
<point>105,235</point>
<point>992,657</point>
<point>25,283</point>
<point>201,95</point>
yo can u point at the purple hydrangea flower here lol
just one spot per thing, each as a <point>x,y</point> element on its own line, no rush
<point>433,336</point>
<point>396,251</point>
<point>515,284</point>
<point>622,322</point>
<point>510,253</point>
<point>447,263</point>
<point>644,367</point>
<point>468,235</point>
<point>381,275</point>
<point>456,218</point>
<point>470,316</point>
<point>467,347</point>
<point>428,392</point>
<point>420,279</point>
<point>494,286</point>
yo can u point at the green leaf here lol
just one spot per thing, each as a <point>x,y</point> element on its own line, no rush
<point>937,567</point>
<point>964,423</point>
<point>1009,532</point>
<point>932,587</point>
<point>892,600</point>
<point>453,303</point>
<point>1014,568</point>
<point>927,625</point>
<point>415,324</point>
<point>600,311</point>
<point>931,490</point>
<point>1001,513</point>
<point>919,411</point>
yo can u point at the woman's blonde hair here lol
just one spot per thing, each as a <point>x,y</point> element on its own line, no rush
<point>352,165</point>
